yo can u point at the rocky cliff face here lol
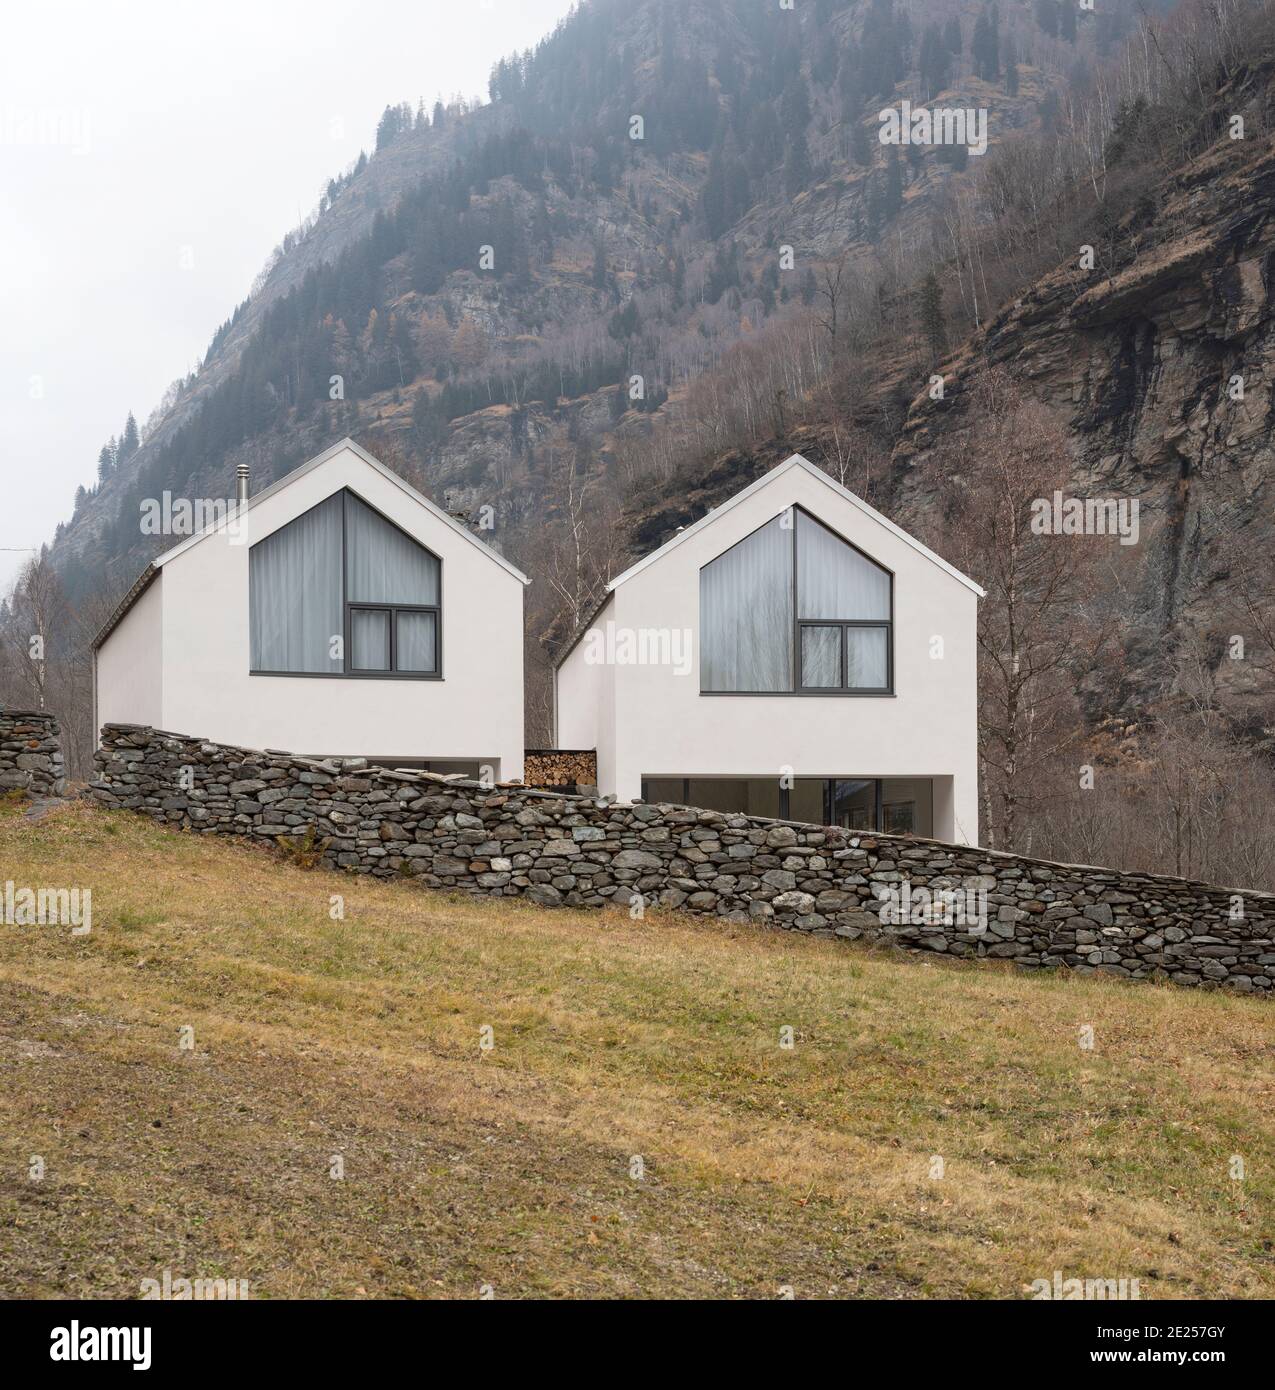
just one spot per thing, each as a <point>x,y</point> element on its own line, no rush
<point>1161,367</point>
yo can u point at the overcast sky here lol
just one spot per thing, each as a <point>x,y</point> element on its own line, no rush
<point>135,136</point>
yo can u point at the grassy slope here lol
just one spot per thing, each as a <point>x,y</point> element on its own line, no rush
<point>764,1167</point>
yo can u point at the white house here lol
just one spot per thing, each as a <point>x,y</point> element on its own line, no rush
<point>337,612</point>
<point>792,654</point>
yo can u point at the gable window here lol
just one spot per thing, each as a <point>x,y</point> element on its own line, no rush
<point>341,591</point>
<point>794,609</point>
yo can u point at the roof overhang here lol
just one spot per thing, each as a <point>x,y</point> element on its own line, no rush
<point>139,587</point>
<point>574,640</point>
<point>144,580</point>
<point>317,462</point>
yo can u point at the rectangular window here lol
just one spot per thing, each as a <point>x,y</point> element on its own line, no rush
<point>892,805</point>
<point>867,658</point>
<point>907,806</point>
<point>853,803</point>
<point>370,639</point>
<point>417,640</point>
<point>844,657</point>
<point>753,796</point>
<point>806,801</point>
<point>820,657</point>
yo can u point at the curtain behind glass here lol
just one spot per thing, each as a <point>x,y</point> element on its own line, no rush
<point>294,587</point>
<point>370,639</point>
<point>417,647</point>
<point>834,580</point>
<point>866,660</point>
<point>821,657</point>
<point>385,565</point>
<point>745,613</point>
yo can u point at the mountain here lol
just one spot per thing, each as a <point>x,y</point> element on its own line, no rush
<point>636,180</point>
<point>1158,365</point>
<point>1152,355</point>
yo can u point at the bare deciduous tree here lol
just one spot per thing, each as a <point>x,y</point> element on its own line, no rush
<point>1038,633</point>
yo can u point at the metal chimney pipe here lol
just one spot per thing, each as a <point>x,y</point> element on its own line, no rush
<point>241,483</point>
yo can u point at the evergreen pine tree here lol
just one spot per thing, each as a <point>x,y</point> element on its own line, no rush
<point>713,197</point>
<point>128,441</point>
<point>797,165</point>
<point>985,48</point>
<point>1047,17</point>
<point>934,62</point>
<point>933,324</point>
<point>892,202</point>
<point>860,145</point>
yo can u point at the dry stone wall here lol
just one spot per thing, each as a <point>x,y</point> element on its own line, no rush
<point>513,841</point>
<point>31,753</point>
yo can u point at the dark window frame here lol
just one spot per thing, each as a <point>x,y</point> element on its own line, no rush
<point>843,623</point>
<point>393,609</point>
<point>842,691</point>
<point>348,605</point>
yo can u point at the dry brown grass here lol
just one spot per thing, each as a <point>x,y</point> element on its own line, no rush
<point>765,1167</point>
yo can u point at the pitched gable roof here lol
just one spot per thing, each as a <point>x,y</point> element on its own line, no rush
<point>317,462</point>
<point>143,581</point>
<point>793,461</point>
<point>139,587</point>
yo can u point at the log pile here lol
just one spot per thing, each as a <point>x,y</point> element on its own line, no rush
<point>560,767</point>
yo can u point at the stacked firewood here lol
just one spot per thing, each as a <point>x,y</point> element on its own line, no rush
<point>560,767</point>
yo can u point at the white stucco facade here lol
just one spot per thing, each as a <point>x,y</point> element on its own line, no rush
<point>180,657</point>
<point>129,671</point>
<point>649,721</point>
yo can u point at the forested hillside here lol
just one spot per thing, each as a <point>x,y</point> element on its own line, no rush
<point>609,256</point>
<point>669,248</point>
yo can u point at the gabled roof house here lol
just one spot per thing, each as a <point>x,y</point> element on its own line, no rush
<point>338,612</point>
<point>792,654</point>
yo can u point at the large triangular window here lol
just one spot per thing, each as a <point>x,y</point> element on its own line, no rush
<point>342,591</point>
<point>793,608</point>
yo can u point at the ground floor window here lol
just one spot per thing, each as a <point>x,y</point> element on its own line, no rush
<point>893,805</point>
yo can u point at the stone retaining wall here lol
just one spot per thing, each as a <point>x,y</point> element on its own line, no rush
<point>31,753</point>
<point>511,841</point>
